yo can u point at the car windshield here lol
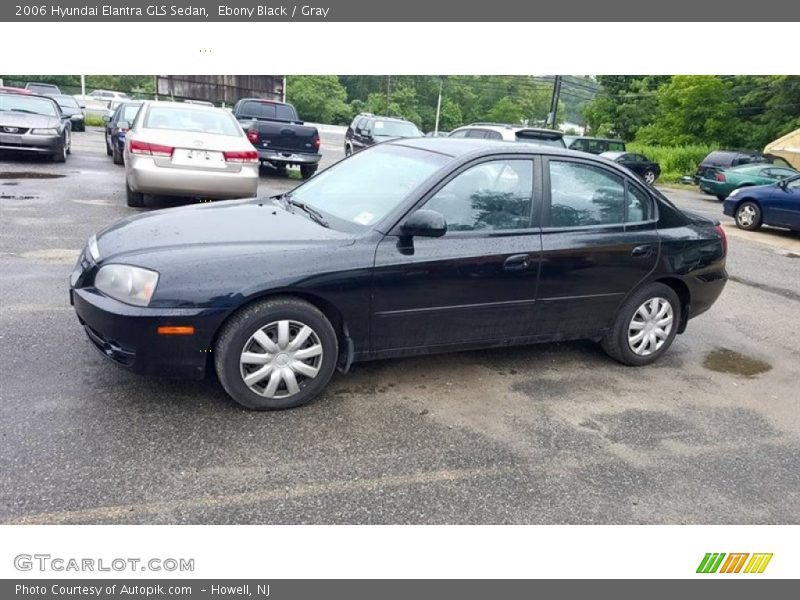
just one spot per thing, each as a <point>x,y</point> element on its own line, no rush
<point>186,119</point>
<point>396,129</point>
<point>367,186</point>
<point>28,104</point>
<point>128,113</point>
<point>777,160</point>
<point>67,102</point>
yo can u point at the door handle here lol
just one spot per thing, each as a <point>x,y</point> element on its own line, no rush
<point>517,262</point>
<point>642,251</point>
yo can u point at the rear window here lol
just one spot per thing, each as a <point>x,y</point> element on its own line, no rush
<point>540,139</point>
<point>266,110</point>
<point>128,113</point>
<point>66,102</point>
<point>396,129</point>
<point>182,119</point>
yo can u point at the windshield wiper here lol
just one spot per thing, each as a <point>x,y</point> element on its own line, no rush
<point>311,212</point>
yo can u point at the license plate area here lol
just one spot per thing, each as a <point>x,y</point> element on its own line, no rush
<point>208,159</point>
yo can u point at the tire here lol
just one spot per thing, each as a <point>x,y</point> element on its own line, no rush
<point>649,177</point>
<point>748,216</point>
<point>134,199</point>
<point>281,170</point>
<point>238,336</point>
<point>116,156</point>
<point>60,153</point>
<point>348,150</point>
<point>108,147</point>
<point>621,344</point>
<point>307,171</point>
<point>721,197</point>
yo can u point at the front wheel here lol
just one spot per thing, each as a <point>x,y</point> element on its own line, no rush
<point>721,197</point>
<point>645,326</point>
<point>275,354</point>
<point>348,150</point>
<point>748,216</point>
<point>134,199</point>
<point>649,177</point>
<point>60,153</point>
<point>307,171</point>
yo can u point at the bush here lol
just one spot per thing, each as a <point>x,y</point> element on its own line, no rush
<point>675,161</point>
<point>95,120</point>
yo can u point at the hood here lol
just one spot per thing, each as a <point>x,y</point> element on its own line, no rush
<point>233,222</point>
<point>27,120</point>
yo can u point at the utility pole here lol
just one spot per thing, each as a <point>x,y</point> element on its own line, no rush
<point>388,93</point>
<point>438,106</point>
<point>83,85</point>
<point>552,116</point>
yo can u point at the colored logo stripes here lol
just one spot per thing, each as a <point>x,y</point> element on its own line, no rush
<point>717,562</point>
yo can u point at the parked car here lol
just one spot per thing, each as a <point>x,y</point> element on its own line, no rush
<point>188,150</point>
<point>33,123</point>
<point>43,88</point>
<point>510,133</point>
<point>108,95</point>
<point>116,126</point>
<point>70,107</point>
<point>777,204</point>
<point>725,159</point>
<point>367,130</point>
<point>593,145</point>
<point>721,182</point>
<point>280,137</point>
<point>410,247</point>
<point>645,168</point>
<point>13,90</point>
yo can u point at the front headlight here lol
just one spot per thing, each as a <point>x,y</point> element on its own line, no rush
<point>132,285</point>
<point>734,192</point>
<point>45,131</point>
<point>93,249</point>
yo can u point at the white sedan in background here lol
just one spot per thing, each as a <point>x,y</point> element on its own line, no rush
<point>188,150</point>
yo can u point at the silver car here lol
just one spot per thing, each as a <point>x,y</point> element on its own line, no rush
<point>188,150</point>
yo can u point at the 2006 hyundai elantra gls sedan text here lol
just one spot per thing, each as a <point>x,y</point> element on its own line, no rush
<point>410,247</point>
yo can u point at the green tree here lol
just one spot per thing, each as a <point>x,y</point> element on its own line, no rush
<point>506,110</point>
<point>318,98</point>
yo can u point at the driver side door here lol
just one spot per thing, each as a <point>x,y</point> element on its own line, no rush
<point>476,285</point>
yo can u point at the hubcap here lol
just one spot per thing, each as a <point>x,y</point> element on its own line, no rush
<point>746,216</point>
<point>650,326</point>
<point>280,359</point>
<point>649,177</point>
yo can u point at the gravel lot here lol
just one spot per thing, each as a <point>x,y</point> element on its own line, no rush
<point>541,434</point>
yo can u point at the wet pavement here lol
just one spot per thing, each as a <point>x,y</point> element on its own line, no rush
<point>542,434</point>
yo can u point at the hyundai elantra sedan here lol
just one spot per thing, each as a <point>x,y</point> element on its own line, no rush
<point>407,248</point>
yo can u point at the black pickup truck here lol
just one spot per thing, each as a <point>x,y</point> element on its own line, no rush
<point>279,135</point>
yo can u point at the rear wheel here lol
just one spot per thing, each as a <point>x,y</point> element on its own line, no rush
<point>108,147</point>
<point>116,156</point>
<point>307,171</point>
<point>281,170</point>
<point>649,177</point>
<point>135,199</point>
<point>645,326</point>
<point>275,354</point>
<point>748,216</point>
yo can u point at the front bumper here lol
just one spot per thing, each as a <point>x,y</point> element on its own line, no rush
<point>147,177</point>
<point>28,142</point>
<point>127,335</point>
<point>288,158</point>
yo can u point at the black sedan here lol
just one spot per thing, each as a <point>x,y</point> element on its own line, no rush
<point>411,247</point>
<point>34,124</point>
<point>70,107</point>
<point>638,163</point>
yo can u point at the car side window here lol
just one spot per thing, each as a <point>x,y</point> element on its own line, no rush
<point>459,134</point>
<point>582,194</point>
<point>361,122</point>
<point>493,135</point>
<point>493,195</point>
<point>617,146</point>
<point>794,185</point>
<point>476,134</point>
<point>640,206</point>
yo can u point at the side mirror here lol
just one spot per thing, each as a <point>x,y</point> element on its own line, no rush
<point>425,223</point>
<point>81,106</point>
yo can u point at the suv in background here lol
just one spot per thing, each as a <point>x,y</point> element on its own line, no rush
<point>594,145</point>
<point>725,159</point>
<point>511,133</point>
<point>368,129</point>
<point>46,89</point>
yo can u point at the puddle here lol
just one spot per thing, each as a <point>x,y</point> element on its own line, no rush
<point>10,183</point>
<point>13,197</point>
<point>28,175</point>
<point>725,360</point>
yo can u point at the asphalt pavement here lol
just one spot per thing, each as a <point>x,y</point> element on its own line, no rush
<point>553,433</point>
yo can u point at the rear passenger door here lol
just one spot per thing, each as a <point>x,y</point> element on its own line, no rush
<point>599,241</point>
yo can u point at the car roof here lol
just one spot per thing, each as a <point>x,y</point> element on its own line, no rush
<point>182,105</point>
<point>461,147</point>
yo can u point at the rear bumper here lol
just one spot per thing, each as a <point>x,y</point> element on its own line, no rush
<point>144,176</point>
<point>704,289</point>
<point>288,158</point>
<point>127,335</point>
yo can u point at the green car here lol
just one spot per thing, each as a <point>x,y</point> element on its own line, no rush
<point>727,180</point>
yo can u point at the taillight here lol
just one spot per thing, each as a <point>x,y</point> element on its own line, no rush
<point>252,135</point>
<point>245,156</point>
<point>719,176</point>
<point>721,231</point>
<point>139,147</point>
<point>316,142</point>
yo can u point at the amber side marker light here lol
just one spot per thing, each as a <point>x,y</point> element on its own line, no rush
<point>176,330</point>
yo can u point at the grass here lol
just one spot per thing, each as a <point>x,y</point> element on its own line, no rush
<point>675,161</point>
<point>95,120</point>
